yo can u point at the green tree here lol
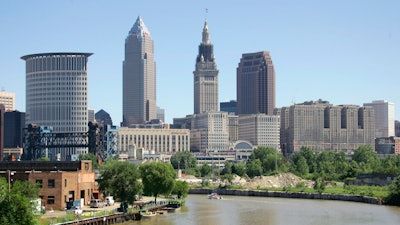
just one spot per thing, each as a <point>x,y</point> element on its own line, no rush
<point>183,160</point>
<point>120,179</point>
<point>254,168</point>
<point>92,157</point>
<point>239,168</point>
<point>394,193</point>
<point>15,207</point>
<point>271,160</point>
<point>227,168</point>
<point>158,178</point>
<point>367,159</point>
<point>205,170</point>
<point>181,189</point>
<point>302,166</point>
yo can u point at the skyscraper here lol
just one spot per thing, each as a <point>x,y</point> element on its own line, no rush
<point>56,92</point>
<point>256,84</point>
<point>384,118</point>
<point>8,100</point>
<point>139,76</point>
<point>205,77</point>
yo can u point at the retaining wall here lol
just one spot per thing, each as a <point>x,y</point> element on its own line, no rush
<point>282,194</point>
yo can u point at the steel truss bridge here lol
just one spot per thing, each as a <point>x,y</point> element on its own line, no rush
<point>36,140</point>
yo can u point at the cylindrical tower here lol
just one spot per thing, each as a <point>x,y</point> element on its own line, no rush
<point>57,91</point>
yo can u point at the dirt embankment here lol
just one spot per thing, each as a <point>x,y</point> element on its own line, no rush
<point>276,181</point>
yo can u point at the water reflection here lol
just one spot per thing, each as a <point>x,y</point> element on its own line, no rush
<point>235,210</point>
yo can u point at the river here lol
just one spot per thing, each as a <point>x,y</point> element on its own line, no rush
<point>234,210</point>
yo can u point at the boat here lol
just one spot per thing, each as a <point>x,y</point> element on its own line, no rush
<point>173,206</point>
<point>214,195</point>
<point>147,214</point>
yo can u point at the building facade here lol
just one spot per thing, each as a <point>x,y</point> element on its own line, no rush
<point>160,114</point>
<point>384,118</point>
<point>58,182</point>
<point>139,76</point>
<point>209,132</point>
<point>8,100</point>
<point>230,107</point>
<point>322,126</point>
<point>233,127</point>
<point>255,81</point>
<point>387,146</point>
<point>57,92</point>
<point>260,130</point>
<point>205,76</point>
<point>102,117</point>
<point>14,124</point>
<point>157,140</point>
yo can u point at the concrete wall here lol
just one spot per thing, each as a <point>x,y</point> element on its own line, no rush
<point>281,194</point>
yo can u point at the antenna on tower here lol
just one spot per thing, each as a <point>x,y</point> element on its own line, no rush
<point>206,11</point>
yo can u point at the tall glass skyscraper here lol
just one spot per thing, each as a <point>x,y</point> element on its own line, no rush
<point>255,84</point>
<point>205,77</point>
<point>57,92</point>
<point>139,77</point>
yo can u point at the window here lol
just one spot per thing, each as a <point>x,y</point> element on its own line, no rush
<point>51,183</point>
<point>65,182</point>
<point>39,183</point>
<point>50,200</point>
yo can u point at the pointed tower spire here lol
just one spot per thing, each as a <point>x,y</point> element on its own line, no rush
<point>206,34</point>
<point>139,28</point>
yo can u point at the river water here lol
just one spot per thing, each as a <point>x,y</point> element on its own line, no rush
<point>234,210</point>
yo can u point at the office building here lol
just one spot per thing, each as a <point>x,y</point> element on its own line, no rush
<point>139,77</point>
<point>229,107</point>
<point>102,117</point>
<point>160,114</point>
<point>385,146</point>
<point>57,93</point>
<point>14,124</point>
<point>233,127</point>
<point>397,128</point>
<point>157,140</point>
<point>322,126</point>
<point>205,76</point>
<point>384,118</point>
<point>8,100</point>
<point>58,182</point>
<point>209,132</point>
<point>260,130</point>
<point>2,111</point>
<point>256,84</point>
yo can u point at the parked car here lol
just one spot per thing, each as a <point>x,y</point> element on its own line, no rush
<point>110,200</point>
<point>96,203</point>
<point>75,210</point>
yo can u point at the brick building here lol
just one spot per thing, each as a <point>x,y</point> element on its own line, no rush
<point>59,181</point>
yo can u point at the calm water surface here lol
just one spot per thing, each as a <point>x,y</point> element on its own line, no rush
<point>233,210</point>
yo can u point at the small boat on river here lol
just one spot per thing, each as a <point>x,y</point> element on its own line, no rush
<point>147,214</point>
<point>214,195</point>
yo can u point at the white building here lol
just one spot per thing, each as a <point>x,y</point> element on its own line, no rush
<point>57,93</point>
<point>209,132</point>
<point>155,140</point>
<point>384,118</point>
<point>8,100</point>
<point>260,130</point>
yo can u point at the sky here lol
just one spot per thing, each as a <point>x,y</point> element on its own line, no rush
<point>344,51</point>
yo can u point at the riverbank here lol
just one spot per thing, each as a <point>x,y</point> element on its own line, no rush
<point>283,194</point>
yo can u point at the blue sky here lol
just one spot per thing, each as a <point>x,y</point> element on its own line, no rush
<point>346,52</point>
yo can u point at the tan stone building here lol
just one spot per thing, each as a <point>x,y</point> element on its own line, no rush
<point>59,181</point>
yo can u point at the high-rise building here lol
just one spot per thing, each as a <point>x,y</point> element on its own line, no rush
<point>2,110</point>
<point>255,84</point>
<point>397,128</point>
<point>230,107</point>
<point>102,117</point>
<point>384,118</point>
<point>205,76</point>
<point>56,92</point>
<point>139,76</point>
<point>260,130</point>
<point>160,114</point>
<point>91,117</point>
<point>209,132</point>
<point>322,126</point>
<point>8,100</point>
<point>14,124</point>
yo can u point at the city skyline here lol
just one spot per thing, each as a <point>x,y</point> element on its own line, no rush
<point>343,52</point>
